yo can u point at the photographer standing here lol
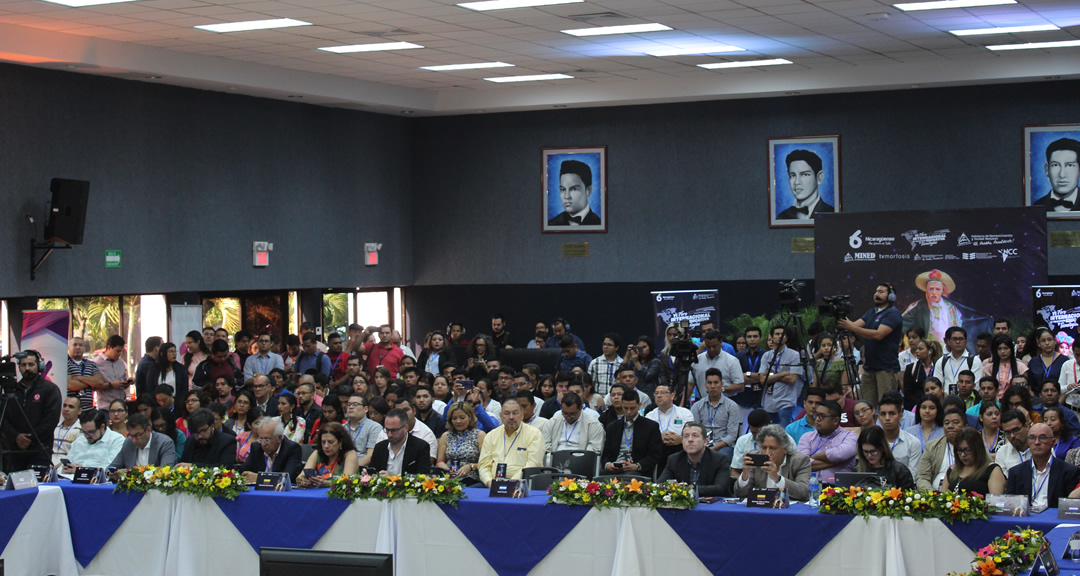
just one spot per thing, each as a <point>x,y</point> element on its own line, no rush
<point>40,401</point>
<point>880,328</point>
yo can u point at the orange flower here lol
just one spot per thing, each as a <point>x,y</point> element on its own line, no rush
<point>987,567</point>
<point>393,478</point>
<point>566,482</point>
<point>895,493</point>
<point>429,484</point>
<point>635,485</point>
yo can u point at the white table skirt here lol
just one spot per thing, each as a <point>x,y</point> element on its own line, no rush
<point>41,544</point>
<point>143,535</point>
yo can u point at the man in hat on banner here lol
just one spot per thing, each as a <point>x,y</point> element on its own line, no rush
<point>935,313</point>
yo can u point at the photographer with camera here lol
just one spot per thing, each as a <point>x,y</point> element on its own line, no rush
<point>32,409</point>
<point>880,328</point>
<point>782,372</point>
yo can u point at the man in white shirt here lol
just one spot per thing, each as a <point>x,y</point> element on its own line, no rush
<point>671,419</point>
<point>98,445</point>
<point>948,368</point>
<point>572,428</point>
<point>604,367</point>
<point>264,361</point>
<point>714,357</point>
<point>68,430</point>
<point>907,357</point>
<point>416,428</point>
<point>906,448</point>
<point>528,410</point>
<point>1015,427</point>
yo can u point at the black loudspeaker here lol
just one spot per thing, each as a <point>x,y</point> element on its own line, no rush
<point>67,218</point>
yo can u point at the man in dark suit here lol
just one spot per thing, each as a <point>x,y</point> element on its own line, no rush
<point>1031,478</point>
<point>1063,172</point>
<point>206,446</point>
<point>272,449</point>
<point>575,188</point>
<point>264,397</point>
<point>401,452</point>
<point>634,444</point>
<point>708,469</point>
<point>805,174</point>
<point>144,447</point>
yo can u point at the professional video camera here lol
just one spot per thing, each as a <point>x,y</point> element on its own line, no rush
<point>9,374</point>
<point>790,298</point>
<point>683,348</point>
<point>838,306</point>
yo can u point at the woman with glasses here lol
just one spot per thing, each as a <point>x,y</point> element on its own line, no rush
<point>865,413</point>
<point>118,413</point>
<point>973,470</point>
<point>1046,360</point>
<point>244,413</point>
<point>876,456</point>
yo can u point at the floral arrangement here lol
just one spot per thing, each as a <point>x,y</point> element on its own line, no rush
<point>1013,553</point>
<point>578,491</point>
<point>438,489</point>
<point>199,482</point>
<point>948,506</point>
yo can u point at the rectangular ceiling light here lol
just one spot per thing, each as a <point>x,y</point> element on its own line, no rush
<point>945,4</point>
<point>1005,30</point>
<point>371,47</point>
<point>716,49</point>
<point>626,29</point>
<point>1036,45</point>
<point>534,78</point>
<point>84,3</point>
<point>476,66</point>
<point>253,25</point>
<point>506,4</point>
<point>745,64</point>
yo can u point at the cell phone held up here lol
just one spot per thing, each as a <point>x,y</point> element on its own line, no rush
<point>758,460</point>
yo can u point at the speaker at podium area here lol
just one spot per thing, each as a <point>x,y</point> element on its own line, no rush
<point>67,212</point>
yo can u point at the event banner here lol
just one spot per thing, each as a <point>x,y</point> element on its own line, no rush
<point>947,267</point>
<point>47,332</point>
<point>672,307</point>
<point>1058,308</point>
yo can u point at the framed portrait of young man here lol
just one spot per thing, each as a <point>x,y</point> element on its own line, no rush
<point>1052,169</point>
<point>804,179</point>
<point>574,195</point>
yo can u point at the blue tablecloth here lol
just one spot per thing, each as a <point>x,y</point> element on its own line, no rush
<point>295,519</point>
<point>735,539</point>
<point>532,527</point>
<point>1059,540</point>
<point>95,513</point>
<point>14,504</point>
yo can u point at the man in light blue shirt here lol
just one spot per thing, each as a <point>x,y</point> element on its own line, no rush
<point>785,377</point>
<point>796,429</point>
<point>264,361</point>
<point>98,445</point>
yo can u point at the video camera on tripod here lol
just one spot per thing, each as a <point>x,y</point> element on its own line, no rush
<point>838,306</point>
<point>684,354</point>
<point>9,373</point>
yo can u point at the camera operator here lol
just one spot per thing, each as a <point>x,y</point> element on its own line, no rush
<point>880,328</point>
<point>39,400</point>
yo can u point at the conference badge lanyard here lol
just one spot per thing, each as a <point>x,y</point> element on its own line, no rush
<point>63,436</point>
<point>1036,488</point>
<point>361,429</point>
<point>506,451</point>
<point>570,434</point>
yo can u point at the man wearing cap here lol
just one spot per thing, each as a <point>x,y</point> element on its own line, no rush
<point>935,313</point>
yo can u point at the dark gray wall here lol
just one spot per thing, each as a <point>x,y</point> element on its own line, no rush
<point>183,181</point>
<point>688,182</point>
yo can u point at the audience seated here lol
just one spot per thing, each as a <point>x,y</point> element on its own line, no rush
<point>459,446</point>
<point>272,451</point>
<point>573,429</point>
<point>830,447</point>
<point>633,444</point>
<point>939,455</point>
<point>514,444</point>
<point>786,469</point>
<point>671,419</point>
<point>98,445</point>
<point>696,464</point>
<point>206,446</point>
<point>719,414</point>
<point>1044,479</point>
<point>401,452</point>
<point>876,456</point>
<point>974,470</point>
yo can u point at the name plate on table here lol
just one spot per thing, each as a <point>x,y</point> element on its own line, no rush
<point>88,475</point>
<point>20,480</point>
<point>44,473</point>
<point>1017,506</point>
<point>1045,563</point>
<point>766,498</point>
<point>1069,508</point>
<point>275,481</point>
<point>508,488</point>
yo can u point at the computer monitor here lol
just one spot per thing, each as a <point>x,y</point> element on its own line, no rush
<point>297,562</point>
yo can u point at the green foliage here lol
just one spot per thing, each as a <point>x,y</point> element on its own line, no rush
<point>810,314</point>
<point>222,313</point>
<point>335,312</point>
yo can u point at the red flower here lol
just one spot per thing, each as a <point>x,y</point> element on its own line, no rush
<point>592,488</point>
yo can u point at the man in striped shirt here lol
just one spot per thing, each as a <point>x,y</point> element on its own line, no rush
<point>604,367</point>
<point>83,374</point>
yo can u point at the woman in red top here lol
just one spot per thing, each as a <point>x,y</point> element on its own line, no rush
<point>331,412</point>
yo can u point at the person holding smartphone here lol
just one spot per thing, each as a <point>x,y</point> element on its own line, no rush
<point>783,467</point>
<point>114,369</point>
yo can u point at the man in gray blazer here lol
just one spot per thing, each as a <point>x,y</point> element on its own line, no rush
<point>786,468</point>
<point>144,447</point>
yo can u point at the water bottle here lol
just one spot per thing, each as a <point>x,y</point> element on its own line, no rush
<point>815,490</point>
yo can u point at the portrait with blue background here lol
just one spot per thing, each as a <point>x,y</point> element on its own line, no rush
<point>781,196</point>
<point>1036,140</point>
<point>595,159</point>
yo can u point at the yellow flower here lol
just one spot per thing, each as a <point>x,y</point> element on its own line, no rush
<point>442,488</point>
<point>223,482</point>
<point>585,498</point>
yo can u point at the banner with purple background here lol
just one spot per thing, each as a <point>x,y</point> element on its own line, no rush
<point>47,332</point>
<point>947,267</point>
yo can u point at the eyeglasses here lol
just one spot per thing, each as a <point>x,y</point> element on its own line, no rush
<point>204,432</point>
<point>1040,438</point>
<point>862,412</point>
<point>393,430</point>
<point>871,452</point>
<point>136,435</point>
<point>90,433</point>
<point>1012,432</point>
<point>117,410</point>
<point>966,450</point>
<point>354,404</point>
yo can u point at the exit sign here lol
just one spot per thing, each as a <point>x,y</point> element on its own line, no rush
<point>112,258</point>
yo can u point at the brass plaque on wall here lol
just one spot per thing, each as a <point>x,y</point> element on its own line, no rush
<point>575,249</point>
<point>1065,238</point>
<point>802,245</point>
